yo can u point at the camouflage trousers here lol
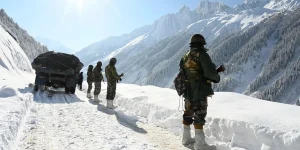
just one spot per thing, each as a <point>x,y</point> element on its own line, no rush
<point>90,86</point>
<point>111,90</point>
<point>195,112</point>
<point>97,88</point>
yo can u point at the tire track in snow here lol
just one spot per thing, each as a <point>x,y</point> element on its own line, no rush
<point>80,125</point>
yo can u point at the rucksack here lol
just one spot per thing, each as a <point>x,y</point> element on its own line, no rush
<point>188,62</point>
<point>180,83</point>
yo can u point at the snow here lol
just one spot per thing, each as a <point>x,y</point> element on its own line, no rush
<point>127,46</point>
<point>12,57</point>
<point>283,4</point>
<point>14,104</point>
<point>15,73</point>
<point>213,20</point>
<point>143,119</point>
<point>233,121</point>
<point>75,122</point>
<point>55,45</point>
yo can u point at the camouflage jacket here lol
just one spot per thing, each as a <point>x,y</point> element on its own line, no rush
<point>111,73</point>
<point>97,74</point>
<point>200,71</point>
<point>90,77</point>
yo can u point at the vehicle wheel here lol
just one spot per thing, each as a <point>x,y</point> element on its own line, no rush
<point>36,88</point>
<point>72,90</point>
<point>67,90</point>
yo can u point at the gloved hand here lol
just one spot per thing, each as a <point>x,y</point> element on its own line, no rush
<point>122,75</point>
<point>120,79</point>
<point>221,68</point>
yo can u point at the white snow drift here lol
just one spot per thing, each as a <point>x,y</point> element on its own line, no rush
<point>234,121</point>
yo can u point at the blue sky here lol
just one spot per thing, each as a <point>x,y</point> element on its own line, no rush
<point>79,23</point>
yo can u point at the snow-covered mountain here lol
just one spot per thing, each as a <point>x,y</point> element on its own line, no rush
<point>27,42</point>
<point>54,45</point>
<point>13,60</point>
<point>151,55</point>
<point>263,61</point>
<point>148,117</point>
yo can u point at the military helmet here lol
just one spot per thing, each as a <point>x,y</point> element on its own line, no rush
<point>113,61</point>
<point>90,67</point>
<point>198,39</point>
<point>99,63</point>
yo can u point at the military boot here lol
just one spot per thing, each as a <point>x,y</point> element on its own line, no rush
<point>186,136</point>
<point>200,143</point>
<point>110,104</point>
<point>88,95</point>
<point>96,99</point>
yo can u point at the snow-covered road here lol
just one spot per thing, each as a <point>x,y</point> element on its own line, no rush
<point>74,122</point>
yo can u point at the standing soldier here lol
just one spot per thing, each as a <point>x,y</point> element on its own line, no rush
<point>112,79</point>
<point>199,72</point>
<point>90,80</point>
<point>98,77</point>
<point>80,80</point>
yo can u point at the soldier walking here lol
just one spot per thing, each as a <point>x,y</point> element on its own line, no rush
<point>112,79</point>
<point>98,77</point>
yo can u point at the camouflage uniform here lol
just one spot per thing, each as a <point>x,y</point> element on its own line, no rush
<point>90,78</point>
<point>112,79</point>
<point>98,77</point>
<point>200,72</point>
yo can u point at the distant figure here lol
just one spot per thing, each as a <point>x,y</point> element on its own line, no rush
<point>112,79</point>
<point>98,77</point>
<point>90,80</point>
<point>80,80</point>
<point>199,72</point>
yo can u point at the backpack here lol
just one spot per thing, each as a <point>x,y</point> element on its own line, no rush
<point>188,62</point>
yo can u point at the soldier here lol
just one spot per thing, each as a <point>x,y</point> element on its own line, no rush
<point>90,80</point>
<point>112,79</point>
<point>98,77</point>
<point>80,80</point>
<point>200,72</point>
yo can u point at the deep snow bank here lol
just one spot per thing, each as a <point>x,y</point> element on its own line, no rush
<point>13,108</point>
<point>15,99</point>
<point>234,121</point>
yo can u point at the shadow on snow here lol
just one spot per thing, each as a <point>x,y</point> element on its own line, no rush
<point>123,119</point>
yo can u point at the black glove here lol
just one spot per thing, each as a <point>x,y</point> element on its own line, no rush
<point>120,79</point>
<point>221,68</point>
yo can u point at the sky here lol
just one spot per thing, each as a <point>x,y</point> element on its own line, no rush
<point>79,23</point>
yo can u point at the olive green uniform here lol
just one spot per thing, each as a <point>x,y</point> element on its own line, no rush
<point>112,79</point>
<point>98,77</point>
<point>200,71</point>
<point>90,80</point>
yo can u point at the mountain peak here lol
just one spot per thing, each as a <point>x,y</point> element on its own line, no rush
<point>184,8</point>
<point>251,4</point>
<point>254,1</point>
<point>283,4</point>
<point>209,7</point>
